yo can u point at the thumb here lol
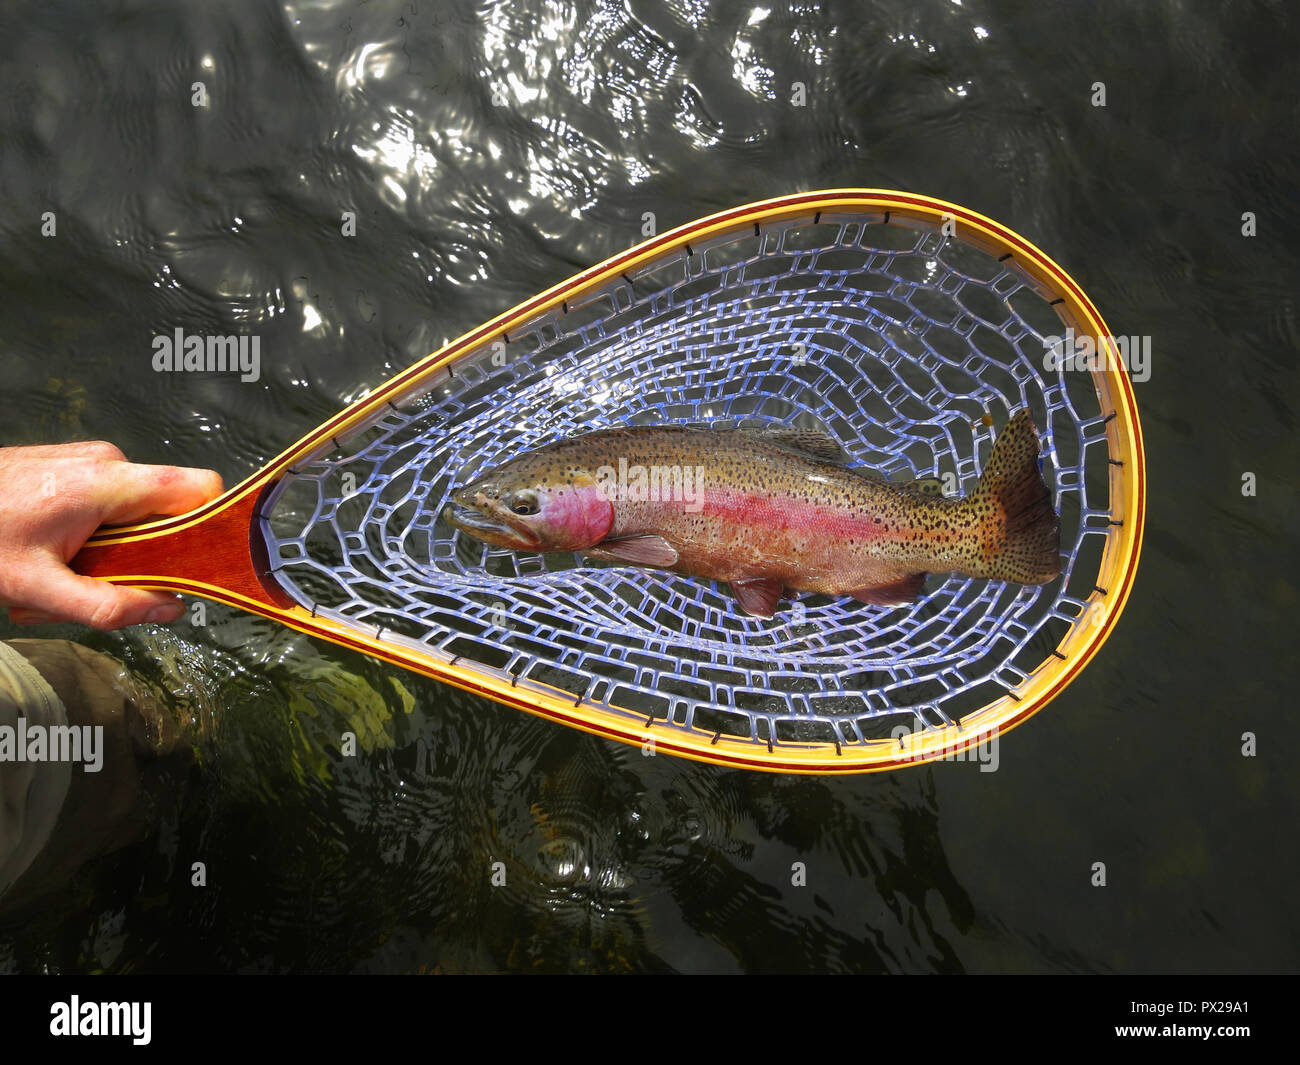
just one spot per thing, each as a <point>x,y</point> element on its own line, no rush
<point>130,491</point>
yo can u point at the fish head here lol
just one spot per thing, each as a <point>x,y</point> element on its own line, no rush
<point>533,503</point>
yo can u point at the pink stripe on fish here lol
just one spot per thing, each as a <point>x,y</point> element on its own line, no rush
<point>782,513</point>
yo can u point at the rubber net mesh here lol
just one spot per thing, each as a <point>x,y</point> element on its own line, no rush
<point>893,339</point>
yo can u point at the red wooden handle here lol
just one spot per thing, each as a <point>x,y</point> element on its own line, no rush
<point>216,549</point>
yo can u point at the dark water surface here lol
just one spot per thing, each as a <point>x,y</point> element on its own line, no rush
<point>492,150</point>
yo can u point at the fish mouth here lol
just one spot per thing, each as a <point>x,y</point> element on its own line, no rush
<point>471,511</point>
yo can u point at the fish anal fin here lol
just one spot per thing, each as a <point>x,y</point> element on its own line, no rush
<point>639,550</point>
<point>758,596</point>
<point>903,591</point>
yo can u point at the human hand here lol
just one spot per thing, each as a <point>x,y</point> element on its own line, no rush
<point>52,497</point>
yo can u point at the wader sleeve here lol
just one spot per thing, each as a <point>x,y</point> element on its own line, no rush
<point>31,793</point>
<point>57,815</point>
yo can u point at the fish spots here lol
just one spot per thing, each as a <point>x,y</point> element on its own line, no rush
<point>767,511</point>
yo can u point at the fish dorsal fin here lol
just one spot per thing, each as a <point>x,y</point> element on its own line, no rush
<point>808,441</point>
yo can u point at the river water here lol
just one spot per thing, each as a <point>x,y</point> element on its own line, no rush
<point>491,150</point>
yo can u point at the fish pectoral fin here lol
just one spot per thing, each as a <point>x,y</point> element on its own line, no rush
<point>639,550</point>
<point>903,591</point>
<point>758,596</point>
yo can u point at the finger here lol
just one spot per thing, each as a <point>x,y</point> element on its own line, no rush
<point>19,616</point>
<point>78,449</point>
<point>56,593</point>
<point>128,492</point>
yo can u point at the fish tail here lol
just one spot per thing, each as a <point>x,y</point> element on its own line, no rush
<point>1011,508</point>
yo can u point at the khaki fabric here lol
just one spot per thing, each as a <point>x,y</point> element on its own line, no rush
<point>31,793</point>
<point>57,816</point>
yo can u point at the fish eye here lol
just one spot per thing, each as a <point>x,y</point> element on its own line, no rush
<point>523,503</point>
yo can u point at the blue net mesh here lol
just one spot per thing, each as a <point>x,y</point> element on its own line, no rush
<point>894,339</point>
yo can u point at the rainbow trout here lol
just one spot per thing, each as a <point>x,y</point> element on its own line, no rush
<point>767,510</point>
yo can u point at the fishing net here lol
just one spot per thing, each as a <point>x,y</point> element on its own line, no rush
<point>883,329</point>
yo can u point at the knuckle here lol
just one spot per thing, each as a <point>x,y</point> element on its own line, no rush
<point>103,450</point>
<point>109,614</point>
<point>166,476</point>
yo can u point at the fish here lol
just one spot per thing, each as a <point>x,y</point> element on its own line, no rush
<point>768,511</point>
